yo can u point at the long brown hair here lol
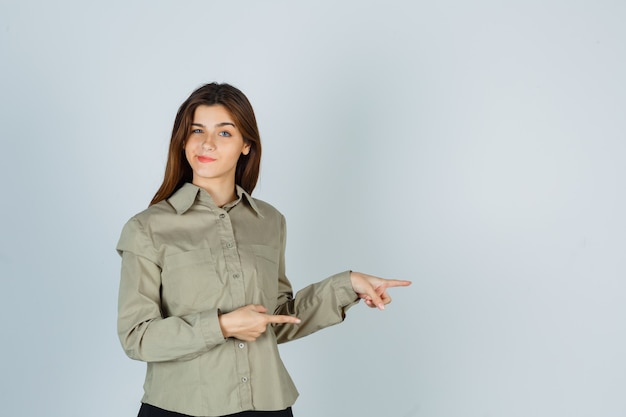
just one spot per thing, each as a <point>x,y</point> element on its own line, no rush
<point>178,171</point>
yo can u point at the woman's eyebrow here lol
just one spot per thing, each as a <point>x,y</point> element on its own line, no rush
<point>217,125</point>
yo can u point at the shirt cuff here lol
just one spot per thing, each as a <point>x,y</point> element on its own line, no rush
<point>211,330</point>
<point>342,285</point>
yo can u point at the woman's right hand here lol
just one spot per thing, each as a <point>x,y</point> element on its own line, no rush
<point>249,322</point>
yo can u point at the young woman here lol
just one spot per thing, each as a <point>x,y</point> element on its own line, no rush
<point>204,298</point>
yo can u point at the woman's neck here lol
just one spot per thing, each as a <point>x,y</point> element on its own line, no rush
<point>222,192</point>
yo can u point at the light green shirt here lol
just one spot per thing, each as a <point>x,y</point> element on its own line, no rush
<point>183,261</point>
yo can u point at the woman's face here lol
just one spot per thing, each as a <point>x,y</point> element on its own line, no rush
<point>213,146</point>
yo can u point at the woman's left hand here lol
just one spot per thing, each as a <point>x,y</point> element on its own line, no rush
<point>374,289</point>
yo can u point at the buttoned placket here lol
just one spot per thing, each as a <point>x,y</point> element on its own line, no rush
<point>237,289</point>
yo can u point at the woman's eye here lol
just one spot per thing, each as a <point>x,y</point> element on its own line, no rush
<point>196,131</point>
<point>224,133</point>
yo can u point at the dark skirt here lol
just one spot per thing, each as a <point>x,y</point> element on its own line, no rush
<point>148,410</point>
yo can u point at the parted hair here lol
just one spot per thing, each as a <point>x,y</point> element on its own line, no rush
<point>178,171</point>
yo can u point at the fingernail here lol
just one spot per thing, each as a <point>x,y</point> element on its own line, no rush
<point>381,306</point>
<point>298,321</point>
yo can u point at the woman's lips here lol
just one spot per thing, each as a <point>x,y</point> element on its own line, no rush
<point>205,159</point>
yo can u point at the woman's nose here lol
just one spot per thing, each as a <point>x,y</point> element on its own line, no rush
<point>208,143</point>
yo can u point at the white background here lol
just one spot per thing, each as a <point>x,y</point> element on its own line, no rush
<point>474,147</point>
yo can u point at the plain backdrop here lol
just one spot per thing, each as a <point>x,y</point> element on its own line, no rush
<point>475,147</point>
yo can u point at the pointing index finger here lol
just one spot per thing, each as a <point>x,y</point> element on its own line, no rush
<point>398,283</point>
<point>283,319</point>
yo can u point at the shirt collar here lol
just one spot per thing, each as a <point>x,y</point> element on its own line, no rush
<point>188,194</point>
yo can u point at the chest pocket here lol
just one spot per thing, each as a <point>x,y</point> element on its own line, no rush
<point>190,282</point>
<point>266,265</point>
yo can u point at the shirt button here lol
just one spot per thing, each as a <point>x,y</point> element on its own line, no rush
<point>230,244</point>
<point>235,275</point>
<point>222,216</point>
<point>242,345</point>
<point>244,379</point>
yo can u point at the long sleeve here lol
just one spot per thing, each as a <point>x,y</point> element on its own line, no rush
<point>318,305</point>
<point>145,333</point>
